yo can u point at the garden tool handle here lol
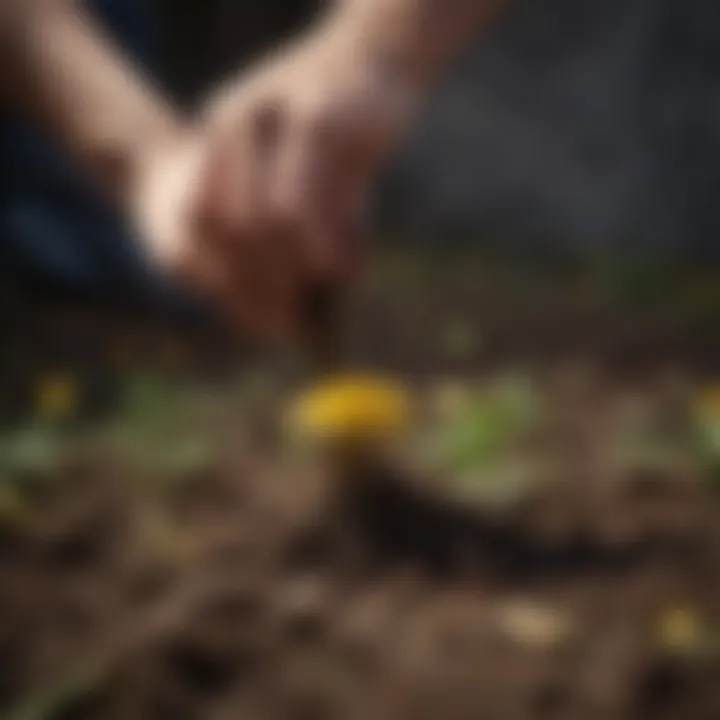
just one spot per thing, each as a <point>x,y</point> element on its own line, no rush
<point>324,317</point>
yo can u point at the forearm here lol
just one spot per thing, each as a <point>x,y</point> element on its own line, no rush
<point>422,36</point>
<point>62,74</point>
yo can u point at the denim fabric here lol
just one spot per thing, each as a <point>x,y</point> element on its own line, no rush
<point>54,226</point>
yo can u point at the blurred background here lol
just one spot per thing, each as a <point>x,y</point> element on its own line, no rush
<point>573,124</point>
<point>539,542</point>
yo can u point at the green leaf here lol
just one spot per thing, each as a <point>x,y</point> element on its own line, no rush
<point>33,449</point>
<point>489,427</point>
<point>158,429</point>
<point>58,700</point>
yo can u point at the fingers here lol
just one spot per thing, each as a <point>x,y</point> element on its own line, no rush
<point>277,212</point>
<point>304,173</point>
<point>232,222</point>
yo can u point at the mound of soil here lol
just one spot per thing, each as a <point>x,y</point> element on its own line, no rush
<point>263,600</point>
<point>256,590</point>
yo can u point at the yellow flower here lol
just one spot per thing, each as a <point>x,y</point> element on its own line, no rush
<point>351,408</point>
<point>707,402</point>
<point>56,396</point>
<point>679,629</point>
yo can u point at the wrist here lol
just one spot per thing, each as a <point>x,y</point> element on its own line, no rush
<point>385,35</point>
<point>162,193</point>
<point>70,80</point>
<point>420,37</point>
<point>119,155</point>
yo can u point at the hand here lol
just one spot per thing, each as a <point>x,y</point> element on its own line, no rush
<point>264,198</point>
<point>196,247</point>
<point>290,152</point>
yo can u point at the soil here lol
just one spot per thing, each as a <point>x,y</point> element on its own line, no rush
<point>259,589</point>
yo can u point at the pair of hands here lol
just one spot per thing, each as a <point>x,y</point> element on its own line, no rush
<point>263,198</point>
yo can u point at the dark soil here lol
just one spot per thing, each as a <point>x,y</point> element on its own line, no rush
<point>272,597</point>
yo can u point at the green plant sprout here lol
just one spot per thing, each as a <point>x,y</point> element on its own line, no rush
<point>650,445</point>
<point>31,452</point>
<point>60,699</point>
<point>706,431</point>
<point>480,446</point>
<point>157,429</point>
